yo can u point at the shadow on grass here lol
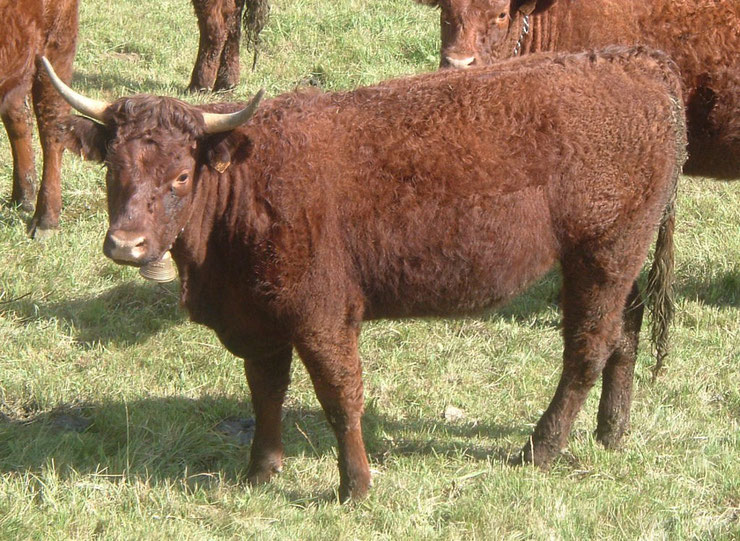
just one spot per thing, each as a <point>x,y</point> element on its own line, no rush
<point>541,297</point>
<point>721,291</point>
<point>126,314</point>
<point>178,439</point>
<point>119,86</point>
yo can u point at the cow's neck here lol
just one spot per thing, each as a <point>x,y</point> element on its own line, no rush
<point>542,33</point>
<point>576,25</point>
<point>214,208</point>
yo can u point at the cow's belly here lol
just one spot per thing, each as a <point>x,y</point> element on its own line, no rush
<point>462,263</point>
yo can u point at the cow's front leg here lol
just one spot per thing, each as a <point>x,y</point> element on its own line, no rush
<point>268,377</point>
<point>333,362</point>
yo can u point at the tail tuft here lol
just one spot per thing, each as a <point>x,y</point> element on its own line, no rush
<point>254,19</point>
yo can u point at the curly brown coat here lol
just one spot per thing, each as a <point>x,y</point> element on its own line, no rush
<point>435,195</point>
<point>702,37</point>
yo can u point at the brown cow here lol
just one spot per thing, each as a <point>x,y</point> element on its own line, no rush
<point>435,195</point>
<point>702,37</point>
<point>31,28</point>
<point>220,33</point>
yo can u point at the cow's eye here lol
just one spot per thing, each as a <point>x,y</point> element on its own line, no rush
<point>180,184</point>
<point>502,16</point>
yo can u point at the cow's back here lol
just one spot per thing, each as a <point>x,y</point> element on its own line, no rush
<point>701,36</point>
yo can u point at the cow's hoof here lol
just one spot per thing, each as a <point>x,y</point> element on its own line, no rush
<point>197,89</point>
<point>41,233</point>
<point>354,493</point>
<point>25,205</point>
<point>224,87</point>
<point>262,473</point>
<point>611,439</point>
<point>538,456</point>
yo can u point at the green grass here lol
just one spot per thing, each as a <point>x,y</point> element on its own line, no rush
<point>83,340</point>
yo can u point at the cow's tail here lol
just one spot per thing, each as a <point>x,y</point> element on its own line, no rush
<point>254,19</point>
<point>659,292</point>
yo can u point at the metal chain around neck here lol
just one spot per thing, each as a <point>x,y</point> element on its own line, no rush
<point>525,31</point>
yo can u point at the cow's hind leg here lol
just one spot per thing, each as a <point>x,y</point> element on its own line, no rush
<point>616,393</point>
<point>17,119</point>
<point>212,27</point>
<point>334,364</point>
<point>592,321</point>
<point>268,376</point>
<point>227,76</point>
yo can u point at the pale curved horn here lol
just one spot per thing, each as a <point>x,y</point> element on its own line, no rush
<point>218,123</point>
<point>87,106</point>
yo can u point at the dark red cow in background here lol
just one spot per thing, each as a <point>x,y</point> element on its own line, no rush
<point>437,195</point>
<point>702,37</point>
<point>31,28</point>
<point>220,22</point>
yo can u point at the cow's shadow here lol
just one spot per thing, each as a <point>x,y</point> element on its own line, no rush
<point>721,291</point>
<point>115,85</point>
<point>125,314</point>
<point>179,440</point>
<point>537,305</point>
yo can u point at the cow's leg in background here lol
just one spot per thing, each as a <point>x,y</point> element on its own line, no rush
<point>268,377</point>
<point>592,323</point>
<point>333,361</point>
<point>213,34</point>
<point>50,107</point>
<point>616,393</point>
<point>228,69</point>
<point>17,119</point>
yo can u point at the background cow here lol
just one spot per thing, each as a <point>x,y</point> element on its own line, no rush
<point>702,36</point>
<point>31,28</point>
<point>220,33</point>
<point>436,195</point>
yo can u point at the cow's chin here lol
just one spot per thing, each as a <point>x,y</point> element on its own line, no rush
<point>134,263</point>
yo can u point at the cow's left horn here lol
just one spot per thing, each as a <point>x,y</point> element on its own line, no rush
<point>87,106</point>
<point>217,123</point>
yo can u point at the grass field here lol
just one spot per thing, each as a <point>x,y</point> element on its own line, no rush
<point>118,416</point>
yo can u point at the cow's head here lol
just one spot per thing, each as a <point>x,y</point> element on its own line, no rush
<point>478,32</point>
<point>153,148</point>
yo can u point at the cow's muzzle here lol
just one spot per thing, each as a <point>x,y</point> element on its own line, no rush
<point>457,61</point>
<point>129,247</point>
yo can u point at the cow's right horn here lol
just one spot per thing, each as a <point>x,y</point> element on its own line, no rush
<point>87,106</point>
<point>220,122</point>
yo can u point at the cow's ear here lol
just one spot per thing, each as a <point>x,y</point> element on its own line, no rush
<point>85,138</point>
<point>533,7</point>
<point>224,149</point>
